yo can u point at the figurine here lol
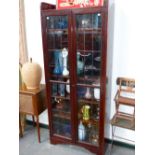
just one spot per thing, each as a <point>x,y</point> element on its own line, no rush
<point>65,72</point>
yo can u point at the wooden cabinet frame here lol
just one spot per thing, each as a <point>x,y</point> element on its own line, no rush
<point>49,10</point>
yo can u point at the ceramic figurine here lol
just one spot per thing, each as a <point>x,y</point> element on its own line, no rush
<point>65,72</point>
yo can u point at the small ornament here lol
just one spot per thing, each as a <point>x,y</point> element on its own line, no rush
<point>68,87</point>
<point>88,94</point>
<point>85,111</point>
<point>81,131</point>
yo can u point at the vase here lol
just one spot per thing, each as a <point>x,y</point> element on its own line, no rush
<point>88,94</point>
<point>81,131</point>
<point>31,75</point>
<point>62,89</point>
<point>57,62</point>
<point>97,90</point>
<point>68,86</point>
<point>80,64</point>
<point>85,112</point>
<point>65,71</point>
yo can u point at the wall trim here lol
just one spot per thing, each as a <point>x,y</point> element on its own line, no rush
<point>109,141</point>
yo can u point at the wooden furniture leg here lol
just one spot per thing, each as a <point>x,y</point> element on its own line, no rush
<point>20,127</point>
<point>38,128</point>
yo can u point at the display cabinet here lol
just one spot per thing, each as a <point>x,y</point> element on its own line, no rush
<point>74,49</point>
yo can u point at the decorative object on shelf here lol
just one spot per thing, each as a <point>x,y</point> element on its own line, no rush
<point>98,112</point>
<point>67,130</point>
<point>97,90</point>
<point>88,93</point>
<point>68,87</point>
<point>65,72</point>
<point>62,89</point>
<point>85,22</point>
<point>94,137</point>
<point>90,67</point>
<point>51,22</point>
<point>58,62</point>
<point>59,103</point>
<point>80,64</point>
<point>81,131</point>
<point>97,58</point>
<point>62,24</point>
<point>81,91</point>
<point>85,112</point>
<point>54,89</point>
<point>31,74</point>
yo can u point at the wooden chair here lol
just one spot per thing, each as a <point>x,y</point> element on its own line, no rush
<point>125,96</point>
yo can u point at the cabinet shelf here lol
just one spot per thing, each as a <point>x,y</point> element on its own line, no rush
<point>89,101</point>
<point>53,76</point>
<point>88,51</point>
<point>88,79</point>
<point>60,82</point>
<point>57,31</point>
<point>67,97</point>
<point>88,85</point>
<point>62,116</point>
<point>89,30</point>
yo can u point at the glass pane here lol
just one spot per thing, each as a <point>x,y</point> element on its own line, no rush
<point>88,21</point>
<point>88,59</point>
<point>88,114</point>
<point>88,46</point>
<point>60,99</point>
<point>57,36</point>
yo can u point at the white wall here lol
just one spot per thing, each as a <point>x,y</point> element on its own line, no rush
<point>121,60</point>
<point>33,31</point>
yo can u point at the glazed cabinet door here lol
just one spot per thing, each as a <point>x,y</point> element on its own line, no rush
<point>57,53</point>
<point>88,48</point>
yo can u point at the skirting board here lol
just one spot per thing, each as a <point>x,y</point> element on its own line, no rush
<point>109,141</point>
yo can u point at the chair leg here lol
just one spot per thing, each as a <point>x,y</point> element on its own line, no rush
<point>38,128</point>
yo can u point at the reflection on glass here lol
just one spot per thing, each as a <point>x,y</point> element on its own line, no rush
<point>62,127</point>
<point>88,46</point>
<point>57,22</point>
<point>61,116</point>
<point>57,32</point>
<point>88,20</point>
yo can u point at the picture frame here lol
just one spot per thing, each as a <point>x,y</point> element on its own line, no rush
<point>66,4</point>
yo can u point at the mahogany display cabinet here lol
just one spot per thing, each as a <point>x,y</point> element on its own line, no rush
<point>74,50</point>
